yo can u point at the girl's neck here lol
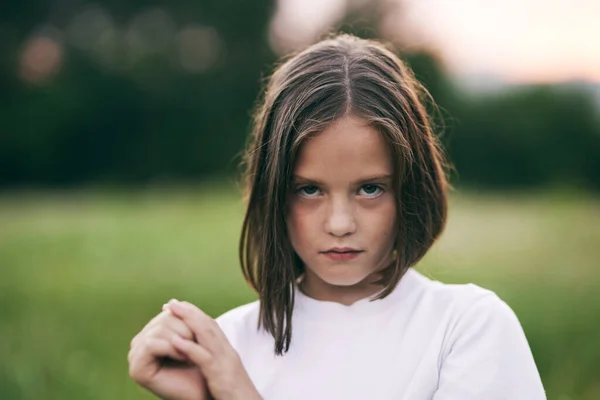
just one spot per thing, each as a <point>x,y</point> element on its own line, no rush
<point>314,287</point>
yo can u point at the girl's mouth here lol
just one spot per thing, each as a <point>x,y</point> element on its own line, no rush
<point>346,255</point>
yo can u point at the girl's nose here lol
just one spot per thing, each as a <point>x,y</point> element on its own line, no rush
<point>340,218</point>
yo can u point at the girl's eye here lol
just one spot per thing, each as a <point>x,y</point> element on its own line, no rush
<point>308,191</point>
<point>371,190</point>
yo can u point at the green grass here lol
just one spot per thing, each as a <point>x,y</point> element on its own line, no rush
<point>82,272</point>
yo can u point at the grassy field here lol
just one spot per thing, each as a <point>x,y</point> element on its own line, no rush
<point>82,272</point>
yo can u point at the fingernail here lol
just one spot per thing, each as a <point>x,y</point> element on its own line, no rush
<point>173,301</point>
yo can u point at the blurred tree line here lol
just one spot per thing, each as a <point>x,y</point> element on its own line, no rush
<point>133,91</point>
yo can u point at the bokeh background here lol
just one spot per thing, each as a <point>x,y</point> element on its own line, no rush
<point>121,125</point>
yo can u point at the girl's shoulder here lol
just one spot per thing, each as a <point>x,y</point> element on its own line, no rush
<point>239,314</point>
<point>454,300</point>
<point>424,301</point>
<point>239,321</point>
<point>437,292</point>
<point>469,313</point>
<point>480,337</point>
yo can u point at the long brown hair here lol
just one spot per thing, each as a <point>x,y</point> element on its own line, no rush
<point>335,77</point>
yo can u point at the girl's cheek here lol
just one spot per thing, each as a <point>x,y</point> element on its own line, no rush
<point>298,216</point>
<point>300,206</point>
<point>381,207</point>
<point>295,217</point>
<point>303,216</point>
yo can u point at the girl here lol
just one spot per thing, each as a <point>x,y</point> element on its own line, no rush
<point>346,191</point>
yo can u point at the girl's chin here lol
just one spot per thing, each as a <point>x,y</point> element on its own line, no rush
<point>344,280</point>
<point>338,274</point>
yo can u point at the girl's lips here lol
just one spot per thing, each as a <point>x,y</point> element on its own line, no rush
<point>342,256</point>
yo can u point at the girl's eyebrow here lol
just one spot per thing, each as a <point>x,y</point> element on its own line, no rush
<point>383,177</point>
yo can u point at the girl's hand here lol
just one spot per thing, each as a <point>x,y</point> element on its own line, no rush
<point>211,351</point>
<point>156,365</point>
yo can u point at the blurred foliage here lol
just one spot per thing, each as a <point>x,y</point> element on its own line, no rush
<point>116,114</point>
<point>533,137</point>
<point>106,119</point>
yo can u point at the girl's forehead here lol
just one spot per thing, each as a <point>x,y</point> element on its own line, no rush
<point>348,147</point>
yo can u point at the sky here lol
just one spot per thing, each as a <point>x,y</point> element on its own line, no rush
<point>514,40</point>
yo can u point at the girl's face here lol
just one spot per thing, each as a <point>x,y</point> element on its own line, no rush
<point>341,211</point>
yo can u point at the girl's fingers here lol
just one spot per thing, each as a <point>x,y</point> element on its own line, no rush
<point>178,326</point>
<point>206,330</point>
<point>142,358</point>
<point>165,322</point>
<point>162,334</point>
<point>193,351</point>
<point>159,318</point>
<point>161,348</point>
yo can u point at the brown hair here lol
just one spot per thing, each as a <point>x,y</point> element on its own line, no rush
<point>335,77</point>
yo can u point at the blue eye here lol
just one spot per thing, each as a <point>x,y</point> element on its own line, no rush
<point>371,190</point>
<point>308,191</point>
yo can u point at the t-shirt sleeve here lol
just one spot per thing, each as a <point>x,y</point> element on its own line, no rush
<point>229,324</point>
<point>487,357</point>
<point>236,323</point>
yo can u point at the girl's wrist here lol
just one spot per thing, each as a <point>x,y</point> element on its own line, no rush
<point>246,392</point>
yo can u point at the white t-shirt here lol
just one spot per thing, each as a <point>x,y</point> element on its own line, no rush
<point>425,341</point>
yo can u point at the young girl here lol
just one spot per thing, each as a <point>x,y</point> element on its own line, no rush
<point>346,192</point>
